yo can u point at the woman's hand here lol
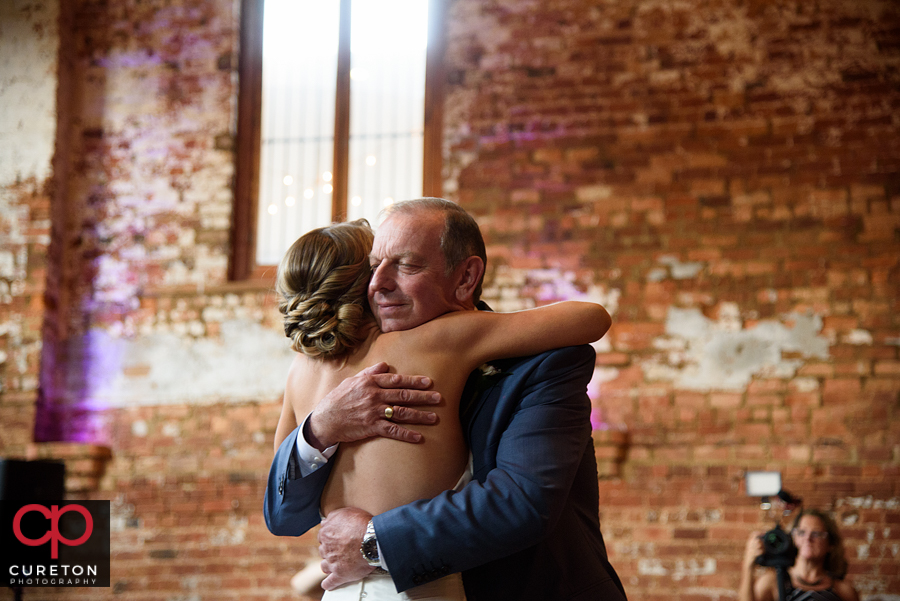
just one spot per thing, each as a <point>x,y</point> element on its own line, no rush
<point>752,589</point>
<point>753,549</point>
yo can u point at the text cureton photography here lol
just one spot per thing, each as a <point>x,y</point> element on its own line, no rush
<point>50,575</point>
<point>55,543</point>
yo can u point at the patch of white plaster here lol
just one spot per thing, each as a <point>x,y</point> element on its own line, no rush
<point>680,570</point>
<point>246,362</point>
<point>669,344</point>
<point>120,513</point>
<point>729,317</point>
<point>637,550</point>
<point>234,534</point>
<point>601,376</point>
<point>679,270</point>
<point>609,298</point>
<point>805,384</point>
<point>858,337</point>
<point>771,295</point>
<point>869,502</point>
<point>29,46</point>
<point>505,293</point>
<point>651,567</point>
<point>115,282</point>
<point>721,355</point>
<point>604,345</point>
<point>692,567</point>
<point>657,274</point>
<point>7,265</point>
<point>657,372</point>
<point>140,428</point>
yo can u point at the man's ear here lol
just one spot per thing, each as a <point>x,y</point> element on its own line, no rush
<point>469,273</point>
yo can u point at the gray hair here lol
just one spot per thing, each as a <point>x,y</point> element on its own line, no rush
<point>461,237</point>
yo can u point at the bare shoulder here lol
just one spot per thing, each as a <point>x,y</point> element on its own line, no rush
<point>845,590</point>
<point>300,368</point>
<point>301,380</point>
<point>766,586</point>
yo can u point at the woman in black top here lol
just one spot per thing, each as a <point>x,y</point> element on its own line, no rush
<point>818,572</point>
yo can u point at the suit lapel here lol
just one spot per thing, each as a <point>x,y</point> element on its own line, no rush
<point>479,388</point>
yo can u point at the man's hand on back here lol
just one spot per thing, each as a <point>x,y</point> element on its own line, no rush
<point>354,410</point>
<point>340,538</point>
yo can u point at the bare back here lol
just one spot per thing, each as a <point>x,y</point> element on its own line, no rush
<point>378,474</point>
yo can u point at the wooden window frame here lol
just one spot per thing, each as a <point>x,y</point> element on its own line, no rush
<point>243,264</point>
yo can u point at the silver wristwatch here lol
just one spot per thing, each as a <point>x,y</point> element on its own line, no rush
<point>369,547</point>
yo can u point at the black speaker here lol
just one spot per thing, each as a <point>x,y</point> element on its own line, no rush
<point>32,480</point>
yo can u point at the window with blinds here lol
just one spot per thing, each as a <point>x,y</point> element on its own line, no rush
<point>325,62</point>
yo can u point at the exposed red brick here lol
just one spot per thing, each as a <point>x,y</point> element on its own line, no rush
<point>788,203</point>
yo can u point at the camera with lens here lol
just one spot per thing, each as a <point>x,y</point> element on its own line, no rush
<point>778,546</point>
<point>778,549</point>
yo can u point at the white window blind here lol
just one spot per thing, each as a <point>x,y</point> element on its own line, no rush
<point>387,98</point>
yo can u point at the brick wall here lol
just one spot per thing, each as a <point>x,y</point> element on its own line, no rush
<point>722,176</point>
<point>27,134</point>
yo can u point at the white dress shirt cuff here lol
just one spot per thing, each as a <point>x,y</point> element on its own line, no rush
<point>310,458</point>
<point>381,561</point>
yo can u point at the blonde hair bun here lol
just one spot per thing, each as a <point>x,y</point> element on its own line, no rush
<point>322,283</point>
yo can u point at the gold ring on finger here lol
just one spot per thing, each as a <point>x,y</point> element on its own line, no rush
<point>388,412</point>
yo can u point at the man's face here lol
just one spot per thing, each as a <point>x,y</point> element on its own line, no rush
<point>409,284</point>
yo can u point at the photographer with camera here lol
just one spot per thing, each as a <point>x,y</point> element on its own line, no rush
<point>817,573</point>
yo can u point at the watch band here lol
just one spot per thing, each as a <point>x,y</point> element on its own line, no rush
<point>369,546</point>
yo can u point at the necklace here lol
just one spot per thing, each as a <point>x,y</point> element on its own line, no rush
<point>805,582</point>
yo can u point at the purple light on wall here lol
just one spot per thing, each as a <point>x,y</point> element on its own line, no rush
<point>597,422</point>
<point>593,391</point>
<point>68,409</point>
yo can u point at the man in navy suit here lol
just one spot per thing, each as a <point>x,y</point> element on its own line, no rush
<point>527,526</point>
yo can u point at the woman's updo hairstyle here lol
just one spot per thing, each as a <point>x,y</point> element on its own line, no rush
<point>322,282</point>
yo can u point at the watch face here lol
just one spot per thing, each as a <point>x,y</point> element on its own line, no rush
<point>370,549</point>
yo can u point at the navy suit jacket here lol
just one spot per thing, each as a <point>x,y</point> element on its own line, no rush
<point>527,526</point>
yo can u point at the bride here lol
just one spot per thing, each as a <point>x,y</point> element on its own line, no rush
<point>322,286</point>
